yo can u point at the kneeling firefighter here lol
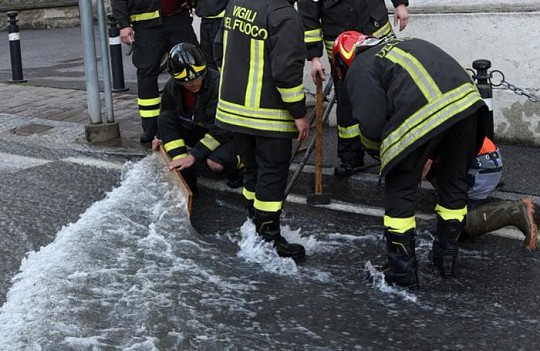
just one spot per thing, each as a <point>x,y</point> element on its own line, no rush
<point>186,119</point>
<point>413,102</point>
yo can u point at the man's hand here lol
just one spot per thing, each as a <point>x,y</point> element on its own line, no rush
<point>302,125</point>
<point>426,168</point>
<point>402,15</point>
<point>317,69</point>
<point>127,35</point>
<point>182,163</point>
<point>156,143</point>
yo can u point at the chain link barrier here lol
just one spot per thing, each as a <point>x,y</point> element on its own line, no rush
<point>507,85</point>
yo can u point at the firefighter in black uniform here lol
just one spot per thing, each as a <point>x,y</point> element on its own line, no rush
<point>188,109</point>
<point>211,13</point>
<point>152,27</point>
<point>323,21</point>
<point>413,102</point>
<point>262,100</point>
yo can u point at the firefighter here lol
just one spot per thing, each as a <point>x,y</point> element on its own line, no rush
<point>211,13</point>
<point>188,109</point>
<point>414,102</point>
<point>323,21</point>
<point>261,54</point>
<point>483,215</point>
<point>152,27</point>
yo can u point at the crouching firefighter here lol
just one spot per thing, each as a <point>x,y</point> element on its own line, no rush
<point>413,102</point>
<point>187,116</point>
<point>485,215</point>
<point>261,54</point>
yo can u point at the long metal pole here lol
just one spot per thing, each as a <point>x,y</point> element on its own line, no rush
<point>105,62</point>
<point>90,65</point>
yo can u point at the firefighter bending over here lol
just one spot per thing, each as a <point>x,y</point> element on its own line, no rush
<point>414,102</point>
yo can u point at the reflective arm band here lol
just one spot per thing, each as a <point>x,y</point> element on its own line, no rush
<point>295,94</point>
<point>313,36</point>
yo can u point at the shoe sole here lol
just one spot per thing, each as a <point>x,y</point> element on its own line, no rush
<point>532,239</point>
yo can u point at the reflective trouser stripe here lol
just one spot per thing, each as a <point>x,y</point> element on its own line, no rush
<point>449,214</point>
<point>399,225</point>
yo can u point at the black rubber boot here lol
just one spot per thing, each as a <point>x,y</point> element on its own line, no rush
<point>445,246</point>
<point>149,127</point>
<point>267,226</point>
<point>235,179</point>
<point>251,210</point>
<point>401,267</point>
<point>347,169</point>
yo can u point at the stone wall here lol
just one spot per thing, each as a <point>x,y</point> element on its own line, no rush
<point>41,14</point>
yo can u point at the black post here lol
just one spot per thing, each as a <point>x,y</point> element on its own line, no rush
<point>115,46</point>
<point>15,49</point>
<point>485,88</point>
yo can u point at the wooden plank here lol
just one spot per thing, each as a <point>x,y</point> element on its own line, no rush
<point>179,179</point>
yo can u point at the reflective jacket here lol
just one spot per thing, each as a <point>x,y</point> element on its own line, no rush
<point>203,116</point>
<point>261,55</point>
<point>140,13</point>
<point>326,19</point>
<point>406,91</point>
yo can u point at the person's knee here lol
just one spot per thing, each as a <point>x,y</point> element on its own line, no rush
<point>214,166</point>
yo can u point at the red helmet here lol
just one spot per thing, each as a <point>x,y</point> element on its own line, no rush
<point>346,46</point>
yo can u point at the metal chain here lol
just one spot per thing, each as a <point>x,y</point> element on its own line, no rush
<point>512,87</point>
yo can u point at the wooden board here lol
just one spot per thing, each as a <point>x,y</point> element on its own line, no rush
<point>179,179</point>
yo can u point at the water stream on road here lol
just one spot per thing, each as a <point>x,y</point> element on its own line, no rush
<point>133,274</point>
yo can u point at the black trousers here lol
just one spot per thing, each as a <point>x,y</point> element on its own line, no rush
<point>149,46</point>
<point>350,149</point>
<point>453,150</point>
<point>266,170</point>
<point>209,29</point>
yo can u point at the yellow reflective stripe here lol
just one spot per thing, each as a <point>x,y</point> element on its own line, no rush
<point>175,144</point>
<point>248,121</point>
<point>268,206</point>
<point>292,94</point>
<point>149,113</point>
<point>210,142</point>
<point>144,16</point>
<point>249,195</point>
<point>255,76</point>
<point>220,15</point>
<point>266,113</point>
<point>399,225</point>
<point>329,45</point>
<point>313,36</point>
<point>417,71</point>
<point>225,38</point>
<point>149,102</point>
<point>180,156</point>
<point>370,144</point>
<point>349,132</point>
<point>383,31</point>
<point>426,119</point>
<point>448,214</point>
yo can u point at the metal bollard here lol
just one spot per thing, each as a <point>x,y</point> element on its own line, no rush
<point>15,48</point>
<point>485,88</point>
<point>115,46</point>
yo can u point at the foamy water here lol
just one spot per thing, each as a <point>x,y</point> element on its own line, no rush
<point>133,274</point>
